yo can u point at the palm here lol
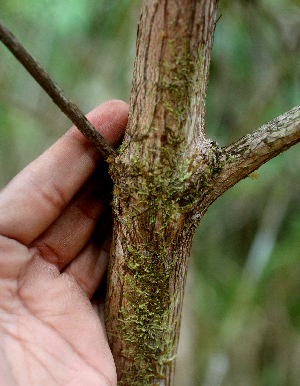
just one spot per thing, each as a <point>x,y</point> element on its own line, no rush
<point>49,333</point>
<point>52,261</point>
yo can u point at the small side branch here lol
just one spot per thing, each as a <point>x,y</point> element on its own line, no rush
<point>251,151</point>
<point>56,93</point>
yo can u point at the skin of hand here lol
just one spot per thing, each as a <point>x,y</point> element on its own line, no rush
<point>52,261</point>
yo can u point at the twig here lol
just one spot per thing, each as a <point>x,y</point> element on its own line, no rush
<point>56,93</point>
<point>251,151</point>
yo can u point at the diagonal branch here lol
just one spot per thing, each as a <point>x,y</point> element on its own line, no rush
<point>251,151</point>
<point>56,93</point>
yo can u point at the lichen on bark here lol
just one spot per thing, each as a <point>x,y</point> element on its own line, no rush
<point>164,163</point>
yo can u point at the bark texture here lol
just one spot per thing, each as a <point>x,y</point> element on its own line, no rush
<point>165,177</point>
<point>157,181</point>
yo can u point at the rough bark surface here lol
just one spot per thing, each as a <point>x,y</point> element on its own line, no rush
<point>165,177</point>
<point>157,179</point>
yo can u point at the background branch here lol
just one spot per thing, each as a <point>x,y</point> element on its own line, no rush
<point>55,92</point>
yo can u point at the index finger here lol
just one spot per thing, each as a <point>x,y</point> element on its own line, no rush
<point>38,194</point>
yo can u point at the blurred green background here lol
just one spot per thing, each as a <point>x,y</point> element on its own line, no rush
<point>241,321</point>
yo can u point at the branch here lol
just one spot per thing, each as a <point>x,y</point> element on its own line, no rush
<point>56,93</point>
<point>251,151</point>
<point>152,199</point>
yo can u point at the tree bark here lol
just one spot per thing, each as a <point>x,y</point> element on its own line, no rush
<point>158,177</point>
<point>165,177</point>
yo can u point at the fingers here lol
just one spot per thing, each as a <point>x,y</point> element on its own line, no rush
<point>70,232</point>
<point>78,238</point>
<point>37,195</point>
<point>13,257</point>
<point>89,267</point>
<point>58,302</point>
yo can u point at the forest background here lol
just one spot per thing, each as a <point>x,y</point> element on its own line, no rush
<point>241,317</point>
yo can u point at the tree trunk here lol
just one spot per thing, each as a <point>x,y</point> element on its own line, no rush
<point>165,177</point>
<point>158,177</point>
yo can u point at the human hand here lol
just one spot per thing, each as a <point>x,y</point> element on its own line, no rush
<point>52,262</point>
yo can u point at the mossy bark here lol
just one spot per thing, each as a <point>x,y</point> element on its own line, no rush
<point>165,177</point>
<point>164,162</point>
